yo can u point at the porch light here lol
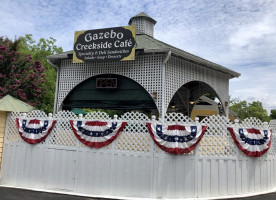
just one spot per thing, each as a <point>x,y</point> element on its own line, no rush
<point>192,100</point>
<point>226,103</point>
<point>154,95</point>
<point>173,103</point>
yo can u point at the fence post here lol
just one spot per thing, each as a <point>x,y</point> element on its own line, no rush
<point>266,125</point>
<point>113,143</point>
<point>152,180</point>
<point>196,162</point>
<point>237,150</point>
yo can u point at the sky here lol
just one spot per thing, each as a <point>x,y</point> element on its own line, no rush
<point>237,34</point>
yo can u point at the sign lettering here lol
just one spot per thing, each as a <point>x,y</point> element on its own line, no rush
<point>111,44</point>
<point>106,83</point>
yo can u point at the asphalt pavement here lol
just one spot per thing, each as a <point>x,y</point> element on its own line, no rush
<point>270,196</point>
<point>7,193</point>
<point>21,194</point>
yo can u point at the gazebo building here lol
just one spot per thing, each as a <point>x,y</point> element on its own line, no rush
<point>160,79</point>
<point>135,155</point>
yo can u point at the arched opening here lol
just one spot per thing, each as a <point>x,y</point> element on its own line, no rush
<point>110,92</point>
<point>195,94</point>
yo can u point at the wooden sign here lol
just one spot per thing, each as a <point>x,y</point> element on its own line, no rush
<point>111,44</point>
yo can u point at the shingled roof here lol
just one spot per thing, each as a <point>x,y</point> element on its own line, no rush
<point>148,44</point>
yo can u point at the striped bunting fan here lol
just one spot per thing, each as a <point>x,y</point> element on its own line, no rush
<point>176,139</point>
<point>252,142</point>
<point>34,131</point>
<point>96,134</point>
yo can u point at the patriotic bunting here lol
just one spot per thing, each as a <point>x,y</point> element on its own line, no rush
<point>176,139</point>
<point>96,134</point>
<point>34,131</point>
<point>253,142</point>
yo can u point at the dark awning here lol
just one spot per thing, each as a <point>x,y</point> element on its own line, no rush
<point>129,95</point>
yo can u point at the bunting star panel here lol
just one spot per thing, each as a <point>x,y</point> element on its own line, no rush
<point>252,142</point>
<point>96,134</point>
<point>34,131</point>
<point>176,139</point>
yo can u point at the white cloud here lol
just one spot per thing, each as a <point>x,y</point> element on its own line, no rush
<point>254,32</point>
<point>259,85</point>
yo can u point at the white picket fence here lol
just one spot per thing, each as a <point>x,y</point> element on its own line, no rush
<point>133,166</point>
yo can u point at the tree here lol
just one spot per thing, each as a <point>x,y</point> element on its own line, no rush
<point>39,51</point>
<point>244,109</point>
<point>255,109</point>
<point>273,114</point>
<point>20,75</point>
<point>239,107</point>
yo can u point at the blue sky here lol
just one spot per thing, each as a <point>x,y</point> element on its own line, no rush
<point>238,34</point>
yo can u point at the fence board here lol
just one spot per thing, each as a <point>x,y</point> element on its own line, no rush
<point>214,178</point>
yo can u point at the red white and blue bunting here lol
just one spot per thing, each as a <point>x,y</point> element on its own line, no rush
<point>34,131</point>
<point>253,142</point>
<point>96,134</point>
<point>176,139</point>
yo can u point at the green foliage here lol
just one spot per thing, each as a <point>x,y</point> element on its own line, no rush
<point>256,109</point>
<point>39,51</point>
<point>111,113</point>
<point>244,109</point>
<point>210,96</point>
<point>273,114</point>
<point>239,107</point>
<point>20,75</point>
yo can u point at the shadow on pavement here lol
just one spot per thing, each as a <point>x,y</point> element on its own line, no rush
<point>18,194</point>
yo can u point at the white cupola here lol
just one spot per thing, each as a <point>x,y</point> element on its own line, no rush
<point>144,24</point>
